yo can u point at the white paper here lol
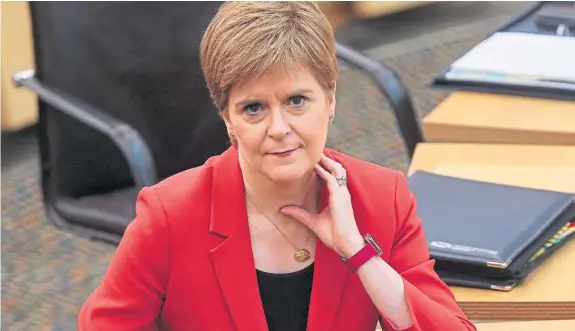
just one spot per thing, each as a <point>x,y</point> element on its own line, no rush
<point>520,57</point>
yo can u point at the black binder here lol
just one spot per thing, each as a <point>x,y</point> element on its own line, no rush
<point>528,22</point>
<point>487,235</point>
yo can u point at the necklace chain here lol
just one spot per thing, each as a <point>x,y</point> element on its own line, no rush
<point>277,227</point>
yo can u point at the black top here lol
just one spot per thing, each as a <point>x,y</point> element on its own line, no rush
<point>285,298</point>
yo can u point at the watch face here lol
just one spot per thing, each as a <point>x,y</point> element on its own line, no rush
<point>369,239</point>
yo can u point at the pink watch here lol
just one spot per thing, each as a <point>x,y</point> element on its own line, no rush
<point>368,251</point>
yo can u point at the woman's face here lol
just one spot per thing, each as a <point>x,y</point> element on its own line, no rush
<point>280,122</point>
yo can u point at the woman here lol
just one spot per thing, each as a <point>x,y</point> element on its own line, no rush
<point>278,232</point>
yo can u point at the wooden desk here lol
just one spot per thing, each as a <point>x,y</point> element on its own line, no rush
<point>492,118</point>
<point>549,291</point>
<point>19,106</point>
<point>340,13</point>
<point>564,325</point>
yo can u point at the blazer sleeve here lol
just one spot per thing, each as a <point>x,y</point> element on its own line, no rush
<point>431,302</point>
<point>131,293</point>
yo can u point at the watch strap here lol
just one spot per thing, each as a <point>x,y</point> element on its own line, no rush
<point>370,250</point>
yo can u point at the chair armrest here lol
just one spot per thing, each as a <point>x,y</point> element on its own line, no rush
<point>127,139</point>
<point>391,86</point>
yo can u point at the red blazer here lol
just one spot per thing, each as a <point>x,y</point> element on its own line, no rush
<point>185,262</point>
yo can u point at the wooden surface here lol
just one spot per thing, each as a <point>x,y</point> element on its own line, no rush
<point>549,291</point>
<point>369,9</point>
<point>542,167</point>
<point>19,106</point>
<point>340,13</point>
<point>564,325</point>
<point>492,118</point>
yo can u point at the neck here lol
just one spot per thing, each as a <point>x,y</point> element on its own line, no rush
<point>270,196</point>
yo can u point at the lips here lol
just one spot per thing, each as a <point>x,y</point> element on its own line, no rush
<point>284,152</point>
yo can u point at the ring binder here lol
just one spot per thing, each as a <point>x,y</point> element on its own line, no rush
<point>522,226</point>
<point>551,19</point>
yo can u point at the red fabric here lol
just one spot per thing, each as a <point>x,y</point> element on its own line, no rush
<point>185,262</point>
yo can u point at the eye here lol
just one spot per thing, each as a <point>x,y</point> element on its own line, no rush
<point>298,101</point>
<point>252,109</point>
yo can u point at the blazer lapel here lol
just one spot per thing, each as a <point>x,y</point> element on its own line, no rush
<point>233,259</point>
<point>329,280</point>
<point>234,264</point>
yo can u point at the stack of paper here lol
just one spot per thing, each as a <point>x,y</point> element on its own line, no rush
<point>522,59</point>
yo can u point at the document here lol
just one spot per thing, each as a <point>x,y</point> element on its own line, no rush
<point>519,59</point>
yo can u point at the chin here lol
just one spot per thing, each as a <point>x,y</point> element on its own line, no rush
<point>287,173</point>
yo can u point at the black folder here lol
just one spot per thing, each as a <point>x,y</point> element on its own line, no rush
<point>488,235</point>
<point>528,22</point>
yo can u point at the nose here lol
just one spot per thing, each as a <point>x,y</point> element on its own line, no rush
<point>279,126</point>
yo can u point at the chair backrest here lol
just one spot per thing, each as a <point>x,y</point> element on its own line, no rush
<point>138,61</point>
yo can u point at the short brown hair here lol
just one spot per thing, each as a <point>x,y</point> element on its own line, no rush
<point>247,39</point>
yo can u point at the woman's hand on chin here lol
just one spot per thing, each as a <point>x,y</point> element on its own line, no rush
<point>335,226</point>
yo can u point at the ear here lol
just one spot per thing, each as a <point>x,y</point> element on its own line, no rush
<point>331,98</point>
<point>226,117</point>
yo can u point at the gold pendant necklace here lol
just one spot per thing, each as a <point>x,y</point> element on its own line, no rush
<point>301,254</point>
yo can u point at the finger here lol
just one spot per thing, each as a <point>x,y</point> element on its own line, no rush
<point>332,166</point>
<point>302,215</point>
<point>337,171</point>
<point>327,177</point>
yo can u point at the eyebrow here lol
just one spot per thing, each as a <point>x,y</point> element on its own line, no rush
<point>302,91</point>
<point>247,101</point>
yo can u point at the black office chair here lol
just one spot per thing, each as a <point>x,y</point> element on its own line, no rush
<point>123,103</point>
